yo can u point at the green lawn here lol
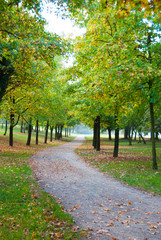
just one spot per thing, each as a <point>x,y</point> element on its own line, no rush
<point>133,166</point>
<point>26,211</point>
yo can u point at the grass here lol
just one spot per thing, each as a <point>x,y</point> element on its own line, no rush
<point>133,166</point>
<point>26,211</point>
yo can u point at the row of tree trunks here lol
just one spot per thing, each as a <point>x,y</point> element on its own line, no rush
<point>23,127</point>
<point>58,131</point>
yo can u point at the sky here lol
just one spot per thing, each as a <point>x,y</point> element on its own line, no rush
<point>63,27</point>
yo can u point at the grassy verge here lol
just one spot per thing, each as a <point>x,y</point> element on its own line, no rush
<point>26,212</point>
<point>133,166</point>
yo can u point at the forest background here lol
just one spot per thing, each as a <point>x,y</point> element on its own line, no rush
<point>114,82</point>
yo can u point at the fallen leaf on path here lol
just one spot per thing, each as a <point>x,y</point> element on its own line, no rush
<point>111,224</point>
<point>107,210</point>
<point>102,231</point>
<point>94,212</point>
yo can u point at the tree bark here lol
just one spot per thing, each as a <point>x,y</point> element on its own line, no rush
<point>61,130</point>
<point>141,136</point>
<point>126,132</point>
<point>51,133</point>
<point>46,132</point>
<point>109,133</point>
<point>157,136</point>
<point>29,132</point>
<point>5,129</point>
<point>21,128</point>
<point>95,134</point>
<point>98,134</point>
<point>116,143</point>
<point>12,118</point>
<point>154,157</point>
<point>151,106</point>
<point>37,131</point>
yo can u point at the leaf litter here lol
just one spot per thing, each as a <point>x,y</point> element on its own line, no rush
<point>102,206</point>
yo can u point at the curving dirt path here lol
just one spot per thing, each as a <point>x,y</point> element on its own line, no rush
<point>107,208</point>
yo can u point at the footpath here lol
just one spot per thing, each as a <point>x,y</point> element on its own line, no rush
<point>107,208</point>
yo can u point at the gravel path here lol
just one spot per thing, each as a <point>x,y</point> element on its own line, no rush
<point>107,208</point>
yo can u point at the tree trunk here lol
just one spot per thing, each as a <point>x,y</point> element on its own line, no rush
<point>5,129</point>
<point>12,118</point>
<point>141,136</point>
<point>21,128</point>
<point>95,134</point>
<point>29,132</point>
<point>69,131</point>
<point>61,130</point>
<point>154,157</point>
<point>24,127</point>
<point>98,134</point>
<point>126,132</point>
<point>57,132</point>
<point>109,133</point>
<point>51,133</point>
<point>130,136</point>
<point>135,136</point>
<point>157,136</point>
<point>37,131</point>
<point>46,132</point>
<point>116,143</point>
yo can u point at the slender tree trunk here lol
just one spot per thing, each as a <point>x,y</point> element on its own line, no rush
<point>29,132</point>
<point>5,129</point>
<point>46,132</point>
<point>116,143</point>
<point>56,133</point>
<point>126,132</point>
<point>21,128</point>
<point>135,136</point>
<point>98,134</point>
<point>24,127</point>
<point>69,131</point>
<point>109,133</point>
<point>37,131</point>
<point>94,134</point>
<point>61,129</point>
<point>51,133</point>
<point>154,157</point>
<point>157,136</point>
<point>12,118</point>
<point>130,136</point>
<point>141,136</point>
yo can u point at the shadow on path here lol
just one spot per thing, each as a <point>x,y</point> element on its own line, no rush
<point>106,207</point>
